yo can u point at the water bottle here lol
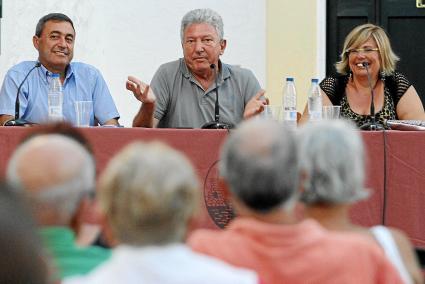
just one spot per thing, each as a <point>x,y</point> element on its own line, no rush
<point>315,101</point>
<point>290,103</point>
<point>55,98</point>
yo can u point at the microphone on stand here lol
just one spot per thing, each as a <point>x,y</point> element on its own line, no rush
<point>17,121</point>
<point>216,124</point>
<point>372,125</point>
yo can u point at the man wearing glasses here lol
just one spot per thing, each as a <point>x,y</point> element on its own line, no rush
<point>182,93</point>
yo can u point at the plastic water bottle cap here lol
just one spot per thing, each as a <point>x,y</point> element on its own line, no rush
<point>290,79</point>
<point>314,80</point>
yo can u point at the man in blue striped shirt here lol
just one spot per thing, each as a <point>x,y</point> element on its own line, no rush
<point>54,39</point>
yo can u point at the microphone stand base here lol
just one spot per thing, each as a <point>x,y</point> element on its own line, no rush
<point>372,126</point>
<point>216,125</point>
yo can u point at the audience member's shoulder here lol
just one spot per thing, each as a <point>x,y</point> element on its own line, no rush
<point>342,241</point>
<point>222,272</point>
<point>401,238</point>
<point>366,252</point>
<point>354,242</point>
<point>203,235</point>
<point>205,240</point>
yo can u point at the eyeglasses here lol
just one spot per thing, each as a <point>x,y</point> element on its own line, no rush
<point>362,50</point>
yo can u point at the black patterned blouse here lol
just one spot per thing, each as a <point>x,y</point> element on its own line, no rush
<point>395,86</point>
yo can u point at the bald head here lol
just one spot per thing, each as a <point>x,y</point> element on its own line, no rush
<point>259,162</point>
<point>53,170</point>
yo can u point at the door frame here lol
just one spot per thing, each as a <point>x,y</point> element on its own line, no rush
<point>321,38</point>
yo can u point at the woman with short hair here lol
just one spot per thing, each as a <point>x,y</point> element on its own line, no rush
<point>331,163</point>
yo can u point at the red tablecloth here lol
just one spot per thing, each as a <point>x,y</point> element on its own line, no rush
<point>201,146</point>
<point>395,171</point>
<point>405,183</point>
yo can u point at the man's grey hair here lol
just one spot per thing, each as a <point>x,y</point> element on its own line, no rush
<point>200,16</point>
<point>69,164</point>
<point>332,163</point>
<point>259,162</point>
<point>148,193</point>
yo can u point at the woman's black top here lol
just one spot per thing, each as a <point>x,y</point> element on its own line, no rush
<point>395,86</point>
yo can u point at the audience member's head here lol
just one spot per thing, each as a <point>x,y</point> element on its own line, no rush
<point>259,163</point>
<point>63,128</point>
<point>22,259</point>
<point>331,163</point>
<point>148,193</point>
<point>55,173</point>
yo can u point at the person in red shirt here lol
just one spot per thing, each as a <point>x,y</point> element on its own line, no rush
<point>259,165</point>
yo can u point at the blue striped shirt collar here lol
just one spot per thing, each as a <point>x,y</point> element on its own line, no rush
<point>45,74</point>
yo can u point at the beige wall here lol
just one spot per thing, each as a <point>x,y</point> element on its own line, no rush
<point>291,47</point>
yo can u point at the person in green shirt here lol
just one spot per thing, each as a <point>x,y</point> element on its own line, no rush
<point>57,174</point>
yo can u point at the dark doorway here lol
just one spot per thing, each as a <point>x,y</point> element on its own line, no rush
<point>404,21</point>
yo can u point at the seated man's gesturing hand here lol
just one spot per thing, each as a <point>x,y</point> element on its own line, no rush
<point>141,91</point>
<point>255,105</point>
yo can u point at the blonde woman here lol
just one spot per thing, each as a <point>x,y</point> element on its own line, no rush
<point>395,96</point>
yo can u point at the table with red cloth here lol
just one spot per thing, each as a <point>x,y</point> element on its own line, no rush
<point>395,171</point>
